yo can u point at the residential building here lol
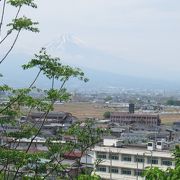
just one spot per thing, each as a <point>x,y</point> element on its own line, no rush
<point>52,117</point>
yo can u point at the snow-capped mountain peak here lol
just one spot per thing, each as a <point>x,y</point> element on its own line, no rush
<point>67,38</point>
<point>65,42</point>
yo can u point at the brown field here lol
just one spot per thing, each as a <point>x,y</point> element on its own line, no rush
<point>169,118</point>
<point>93,110</point>
<point>83,110</point>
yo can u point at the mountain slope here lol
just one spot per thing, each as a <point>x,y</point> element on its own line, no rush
<point>99,66</point>
<point>74,51</point>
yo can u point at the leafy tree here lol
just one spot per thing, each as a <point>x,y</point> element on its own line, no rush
<point>172,102</point>
<point>18,23</point>
<point>107,115</point>
<point>89,177</point>
<point>155,173</point>
<point>23,164</point>
<point>107,98</point>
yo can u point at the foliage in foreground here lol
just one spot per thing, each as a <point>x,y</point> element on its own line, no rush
<point>89,177</point>
<point>24,164</point>
<point>155,173</point>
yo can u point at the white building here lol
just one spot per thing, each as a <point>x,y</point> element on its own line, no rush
<point>128,162</point>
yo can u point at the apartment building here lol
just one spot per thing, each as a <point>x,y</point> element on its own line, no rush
<point>128,162</point>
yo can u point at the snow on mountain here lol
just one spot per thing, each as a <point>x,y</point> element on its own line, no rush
<point>103,68</point>
<point>99,66</point>
<point>74,51</point>
<point>65,43</point>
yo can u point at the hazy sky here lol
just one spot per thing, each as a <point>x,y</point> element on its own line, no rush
<point>146,32</point>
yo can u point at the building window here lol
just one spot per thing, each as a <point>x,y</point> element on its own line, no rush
<point>126,157</point>
<point>126,171</point>
<point>139,159</point>
<point>138,172</point>
<point>113,170</point>
<point>152,160</point>
<point>101,168</point>
<point>114,156</point>
<point>150,144</point>
<point>166,162</point>
<point>101,155</point>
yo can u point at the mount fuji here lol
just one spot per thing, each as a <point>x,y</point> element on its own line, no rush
<point>74,51</point>
<point>100,67</point>
<point>66,43</point>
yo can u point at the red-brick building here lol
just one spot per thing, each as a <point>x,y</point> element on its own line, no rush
<point>146,120</point>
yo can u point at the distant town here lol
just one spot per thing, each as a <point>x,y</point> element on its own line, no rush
<point>143,129</point>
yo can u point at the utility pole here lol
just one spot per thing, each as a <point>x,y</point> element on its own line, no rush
<point>151,158</point>
<point>156,132</point>
<point>143,162</point>
<point>137,167</point>
<point>86,162</point>
<point>110,168</point>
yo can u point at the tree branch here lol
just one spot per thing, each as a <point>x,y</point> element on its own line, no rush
<point>15,40</point>
<point>2,16</point>
<point>8,33</point>
<point>31,85</point>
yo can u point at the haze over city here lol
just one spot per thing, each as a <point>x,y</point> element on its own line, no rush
<point>90,89</point>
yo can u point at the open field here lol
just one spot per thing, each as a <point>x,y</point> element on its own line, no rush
<point>169,118</point>
<point>83,110</point>
<point>93,110</point>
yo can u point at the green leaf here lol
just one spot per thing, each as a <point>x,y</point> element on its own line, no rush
<point>53,68</point>
<point>18,3</point>
<point>23,23</point>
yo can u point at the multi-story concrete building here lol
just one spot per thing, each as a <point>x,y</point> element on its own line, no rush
<point>128,162</point>
<point>142,121</point>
